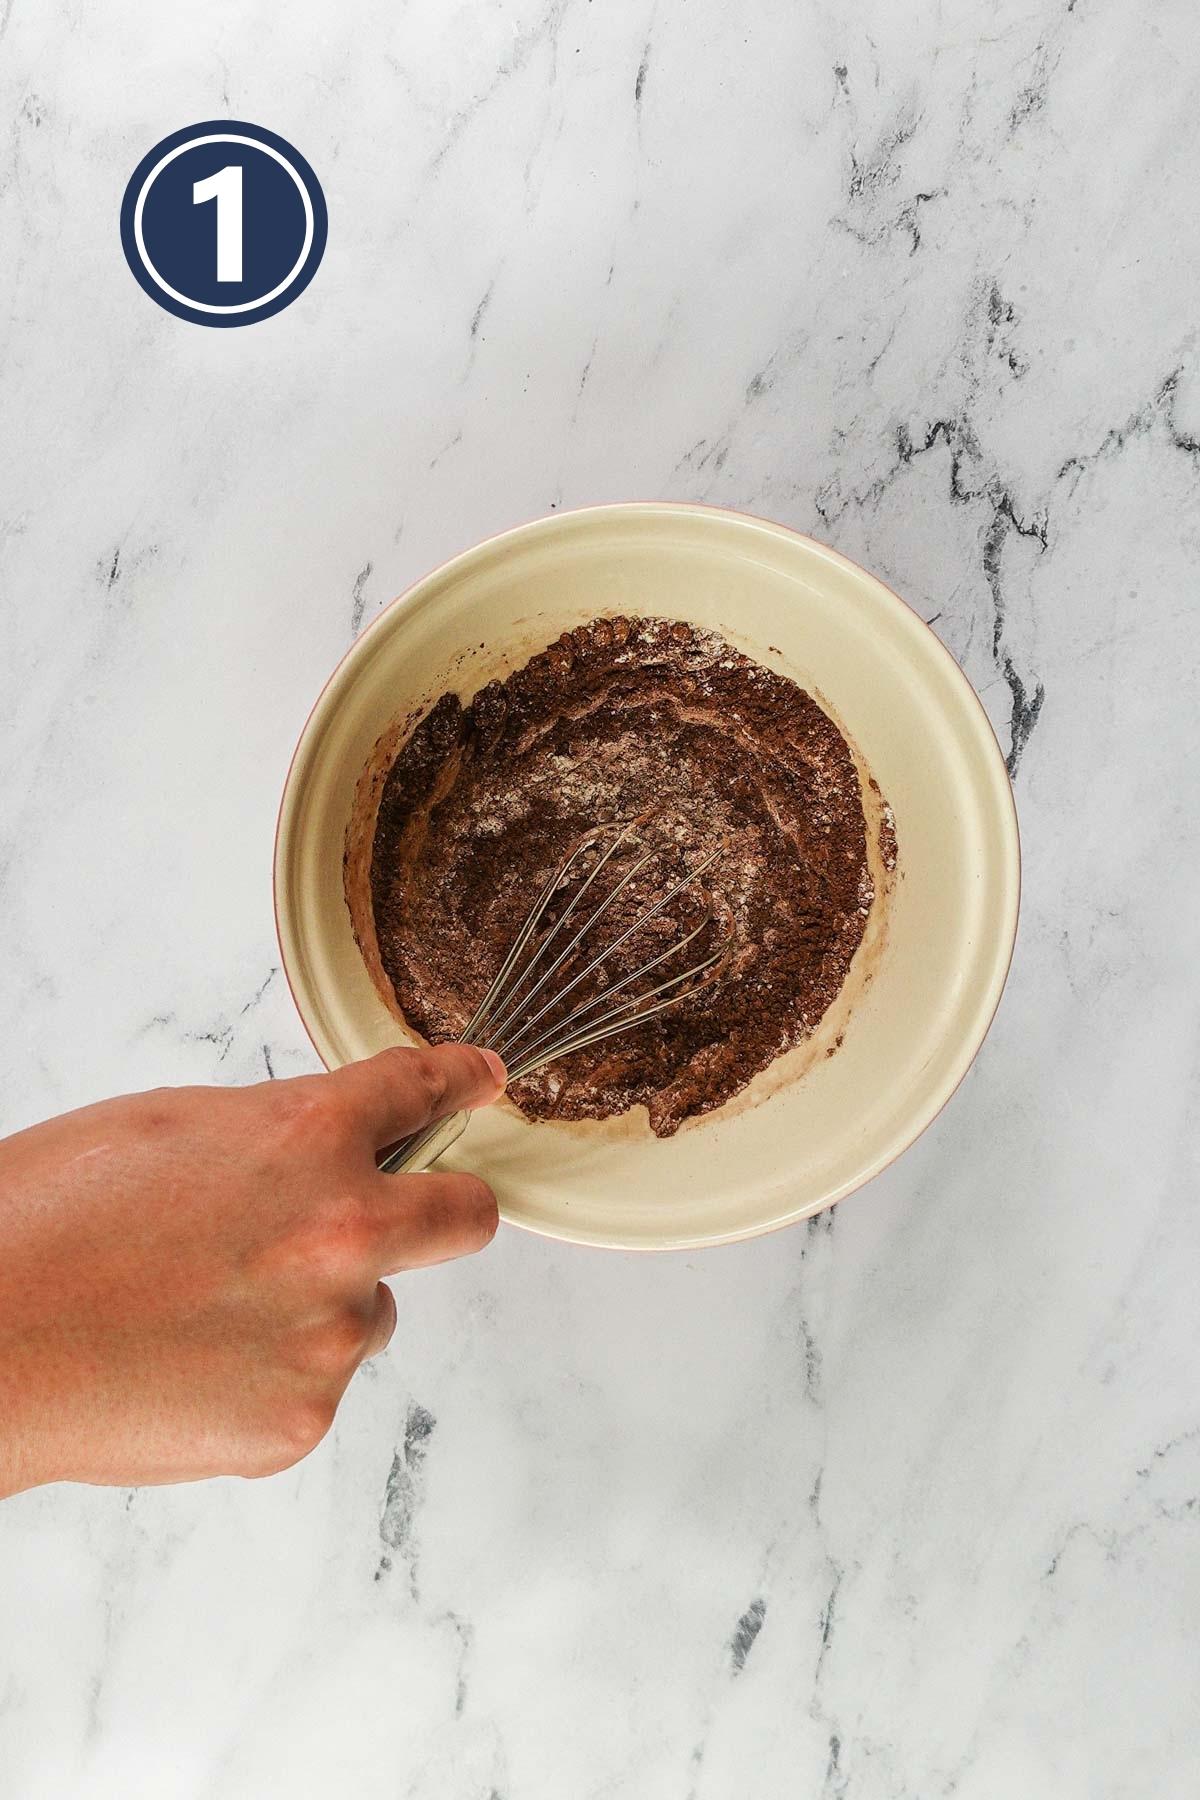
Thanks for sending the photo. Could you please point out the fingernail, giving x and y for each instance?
(496, 1065)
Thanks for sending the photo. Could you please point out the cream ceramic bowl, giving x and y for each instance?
(826, 1118)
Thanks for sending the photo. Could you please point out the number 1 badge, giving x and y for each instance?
(223, 223)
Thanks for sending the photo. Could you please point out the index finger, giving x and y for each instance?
(403, 1090)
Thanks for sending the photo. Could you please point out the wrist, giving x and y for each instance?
(20, 1466)
(15, 1474)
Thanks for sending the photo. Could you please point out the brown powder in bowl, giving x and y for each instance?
(623, 719)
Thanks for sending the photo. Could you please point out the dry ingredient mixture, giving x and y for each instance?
(657, 721)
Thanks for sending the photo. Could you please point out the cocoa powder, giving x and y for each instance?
(622, 719)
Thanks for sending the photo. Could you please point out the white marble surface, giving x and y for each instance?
(902, 1505)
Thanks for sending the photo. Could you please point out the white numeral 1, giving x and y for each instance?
(225, 187)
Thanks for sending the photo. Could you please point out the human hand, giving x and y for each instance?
(189, 1277)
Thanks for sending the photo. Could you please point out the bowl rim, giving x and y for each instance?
(921, 1121)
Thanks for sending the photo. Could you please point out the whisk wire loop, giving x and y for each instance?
(502, 1021)
(508, 1000)
(501, 1041)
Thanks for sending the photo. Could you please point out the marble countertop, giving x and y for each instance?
(900, 1505)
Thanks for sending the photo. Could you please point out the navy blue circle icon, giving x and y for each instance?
(223, 223)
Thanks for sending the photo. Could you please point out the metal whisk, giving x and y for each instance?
(525, 994)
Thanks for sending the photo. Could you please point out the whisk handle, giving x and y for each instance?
(421, 1149)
